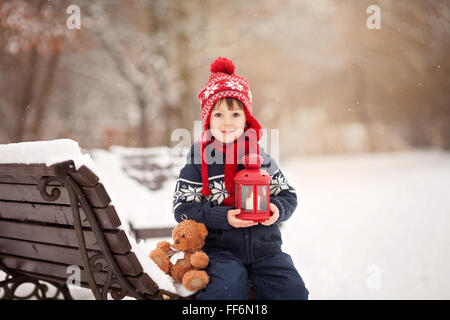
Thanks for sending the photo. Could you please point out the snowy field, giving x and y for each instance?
(372, 226)
(367, 226)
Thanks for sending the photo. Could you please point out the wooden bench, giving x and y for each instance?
(53, 217)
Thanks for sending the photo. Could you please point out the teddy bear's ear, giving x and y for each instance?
(201, 229)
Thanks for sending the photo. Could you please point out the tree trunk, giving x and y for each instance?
(362, 109)
(41, 104)
(143, 132)
(26, 97)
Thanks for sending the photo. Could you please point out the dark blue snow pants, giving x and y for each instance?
(273, 276)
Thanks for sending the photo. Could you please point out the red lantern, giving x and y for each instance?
(252, 187)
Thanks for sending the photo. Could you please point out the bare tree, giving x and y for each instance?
(153, 57)
(31, 32)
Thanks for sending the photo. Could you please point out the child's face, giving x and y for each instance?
(227, 125)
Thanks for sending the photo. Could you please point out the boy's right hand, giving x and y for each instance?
(238, 223)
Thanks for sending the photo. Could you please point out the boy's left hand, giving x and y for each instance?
(275, 215)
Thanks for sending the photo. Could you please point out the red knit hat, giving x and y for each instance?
(223, 83)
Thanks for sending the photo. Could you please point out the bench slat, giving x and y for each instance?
(142, 283)
(153, 233)
(31, 173)
(97, 196)
(56, 214)
(23, 173)
(85, 177)
(128, 263)
(117, 241)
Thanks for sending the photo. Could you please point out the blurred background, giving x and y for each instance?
(363, 115)
(130, 75)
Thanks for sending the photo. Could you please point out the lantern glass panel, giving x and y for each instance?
(262, 198)
(247, 197)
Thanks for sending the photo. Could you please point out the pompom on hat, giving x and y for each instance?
(223, 83)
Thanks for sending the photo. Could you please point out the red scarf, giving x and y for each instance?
(232, 160)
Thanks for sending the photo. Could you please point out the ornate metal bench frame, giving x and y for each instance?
(103, 260)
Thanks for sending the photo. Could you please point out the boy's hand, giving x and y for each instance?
(236, 222)
(275, 215)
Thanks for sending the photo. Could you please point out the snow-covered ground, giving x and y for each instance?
(368, 226)
(372, 226)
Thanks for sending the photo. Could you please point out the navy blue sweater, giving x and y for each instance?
(247, 243)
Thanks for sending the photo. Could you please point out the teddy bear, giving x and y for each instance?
(184, 258)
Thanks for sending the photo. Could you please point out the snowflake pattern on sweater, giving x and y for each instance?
(187, 191)
(279, 183)
(190, 191)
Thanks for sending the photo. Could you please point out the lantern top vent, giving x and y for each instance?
(252, 161)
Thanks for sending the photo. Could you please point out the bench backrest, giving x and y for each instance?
(41, 236)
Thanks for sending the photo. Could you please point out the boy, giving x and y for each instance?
(241, 252)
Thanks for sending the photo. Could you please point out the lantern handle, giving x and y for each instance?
(252, 161)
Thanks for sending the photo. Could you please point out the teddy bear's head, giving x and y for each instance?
(189, 235)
